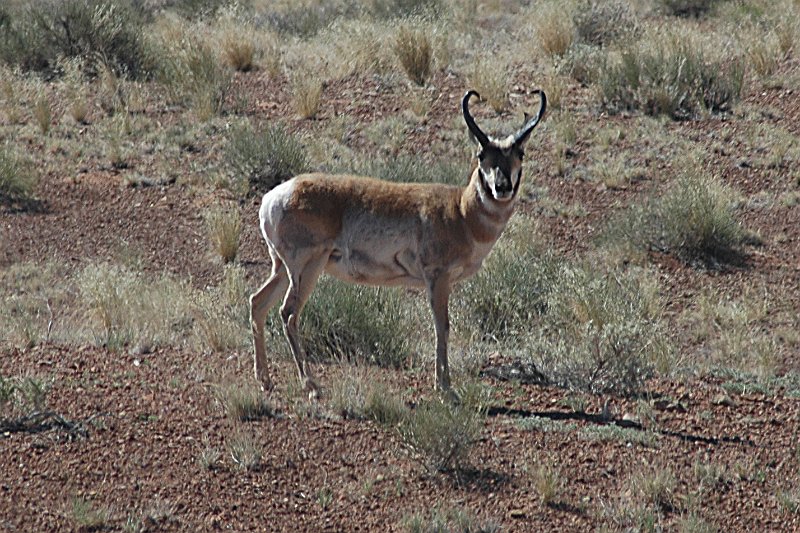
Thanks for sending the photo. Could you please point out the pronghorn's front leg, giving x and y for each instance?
(439, 294)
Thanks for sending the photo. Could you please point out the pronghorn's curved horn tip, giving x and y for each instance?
(482, 138)
(530, 123)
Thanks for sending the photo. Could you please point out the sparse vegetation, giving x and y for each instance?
(637, 323)
(441, 435)
(307, 94)
(88, 516)
(448, 521)
(264, 158)
(694, 219)
(672, 74)
(413, 49)
(245, 450)
(17, 176)
(243, 402)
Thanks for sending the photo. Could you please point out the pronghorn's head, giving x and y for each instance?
(500, 160)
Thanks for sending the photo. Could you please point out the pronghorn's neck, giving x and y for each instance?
(485, 217)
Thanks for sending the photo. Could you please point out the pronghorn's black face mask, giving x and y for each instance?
(500, 161)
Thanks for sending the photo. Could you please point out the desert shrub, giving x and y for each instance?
(390, 9)
(671, 75)
(189, 67)
(441, 435)
(127, 309)
(382, 406)
(603, 22)
(454, 520)
(687, 8)
(510, 292)
(264, 158)
(224, 226)
(242, 402)
(358, 323)
(583, 63)
(413, 49)
(17, 176)
(603, 331)
(36, 37)
(305, 20)
(693, 220)
(409, 169)
(196, 9)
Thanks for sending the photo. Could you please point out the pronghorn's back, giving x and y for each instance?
(374, 231)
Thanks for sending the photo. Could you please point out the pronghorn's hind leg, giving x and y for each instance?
(261, 302)
(303, 276)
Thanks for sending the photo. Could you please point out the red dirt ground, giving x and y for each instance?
(148, 418)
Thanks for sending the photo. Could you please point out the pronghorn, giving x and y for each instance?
(368, 231)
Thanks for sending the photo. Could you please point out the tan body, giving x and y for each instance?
(368, 231)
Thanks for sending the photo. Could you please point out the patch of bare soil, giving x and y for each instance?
(142, 425)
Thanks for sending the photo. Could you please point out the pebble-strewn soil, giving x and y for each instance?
(144, 421)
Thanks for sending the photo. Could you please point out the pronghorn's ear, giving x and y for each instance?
(527, 127)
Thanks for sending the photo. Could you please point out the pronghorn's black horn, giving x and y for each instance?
(522, 135)
(483, 139)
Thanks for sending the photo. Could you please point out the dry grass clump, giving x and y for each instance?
(245, 449)
(43, 112)
(448, 521)
(243, 402)
(74, 82)
(239, 51)
(413, 48)
(89, 517)
(555, 29)
(224, 226)
(549, 483)
(307, 94)
(17, 176)
(189, 67)
(491, 77)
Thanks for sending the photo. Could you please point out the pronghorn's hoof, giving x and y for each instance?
(313, 389)
(265, 382)
(450, 396)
